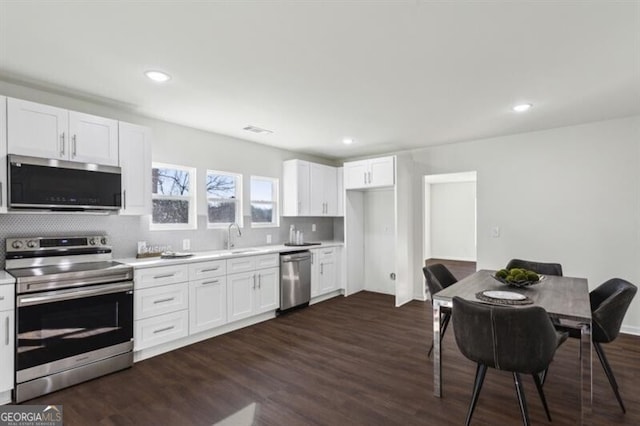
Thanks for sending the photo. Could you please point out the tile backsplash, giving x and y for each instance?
(126, 231)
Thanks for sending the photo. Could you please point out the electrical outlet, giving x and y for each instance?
(186, 244)
(313, 227)
(268, 238)
(495, 232)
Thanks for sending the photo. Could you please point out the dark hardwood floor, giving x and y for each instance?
(346, 361)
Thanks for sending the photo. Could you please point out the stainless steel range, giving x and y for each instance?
(74, 312)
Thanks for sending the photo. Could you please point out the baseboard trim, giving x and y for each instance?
(323, 297)
(5, 397)
(630, 329)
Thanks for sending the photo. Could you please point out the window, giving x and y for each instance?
(264, 201)
(173, 197)
(224, 199)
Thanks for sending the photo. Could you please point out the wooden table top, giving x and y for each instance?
(561, 297)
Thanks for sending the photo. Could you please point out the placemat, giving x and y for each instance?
(482, 297)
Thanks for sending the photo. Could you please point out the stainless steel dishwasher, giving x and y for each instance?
(295, 279)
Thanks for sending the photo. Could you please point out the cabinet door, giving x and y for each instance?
(295, 184)
(160, 329)
(316, 190)
(355, 174)
(93, 139)
(37, 130)
(6, 350)
(268, 290)
(382, 171)
(207, 304)
(3, 154)
(331, 191)
(340, 191)
(135, 161)
(327, 275)
(315, 272)
(241, 292)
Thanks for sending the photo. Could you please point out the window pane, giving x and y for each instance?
(222, 212)
(221, 186)
(170, 211)
(261, 189)
(262, 212)
(169, 181)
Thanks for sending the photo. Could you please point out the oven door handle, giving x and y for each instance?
(57, 296)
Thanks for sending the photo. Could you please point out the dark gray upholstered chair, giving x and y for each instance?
(521, 340)
(537, 267)
(609, 304)
(439, 277)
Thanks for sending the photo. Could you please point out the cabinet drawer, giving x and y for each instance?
(7, 297)
(214, 268)
(159, 300)
(326, 252)
(161, 275)
(161, 329)
(267, 261)
(241, 264)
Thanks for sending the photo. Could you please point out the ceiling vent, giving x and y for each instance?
(257, 130)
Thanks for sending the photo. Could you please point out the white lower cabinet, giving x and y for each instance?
(161, 329)
(324, 271)
(268, 294)
(164, 299)
(256, 290)
(208, 304)
(7, 298)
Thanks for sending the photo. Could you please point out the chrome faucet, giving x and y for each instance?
(230, 245)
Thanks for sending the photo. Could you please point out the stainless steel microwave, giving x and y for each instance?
(57, 185)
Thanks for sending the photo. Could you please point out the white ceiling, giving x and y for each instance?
(393, 75)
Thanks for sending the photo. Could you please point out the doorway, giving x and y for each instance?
(450, 217)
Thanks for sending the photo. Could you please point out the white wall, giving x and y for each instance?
(569, 195)
(453, 221)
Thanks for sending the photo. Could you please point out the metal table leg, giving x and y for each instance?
(586, 379)
(437, 366)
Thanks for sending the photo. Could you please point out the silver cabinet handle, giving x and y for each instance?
(259, 280)
(322, 269)
(211, 269)
(157, 277)
(1, 298)
(369, 176)
(160, 330)
(169, 299)
(254, 281)
(124, 199)
(73, 146)
(210, 282)
(1, 196)
(62, 144)
(6, 322)
(365, 177)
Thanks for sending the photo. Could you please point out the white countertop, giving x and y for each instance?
(201, 256)
(6, 278)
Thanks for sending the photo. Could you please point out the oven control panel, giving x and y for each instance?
(56, 243)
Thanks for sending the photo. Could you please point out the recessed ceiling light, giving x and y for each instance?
(256, 129)
(522, 107)
(158, 76)
(347, 141)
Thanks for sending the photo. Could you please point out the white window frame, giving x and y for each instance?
(191, 198)
(238, 199)
(276, 203)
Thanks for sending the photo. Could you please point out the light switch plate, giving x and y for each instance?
(268, 238)
(495, 232)
(186, 244)
(313, 227)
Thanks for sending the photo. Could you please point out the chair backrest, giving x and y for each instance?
(438, 277)
(537, 267)
(609, 304)
(520, 339)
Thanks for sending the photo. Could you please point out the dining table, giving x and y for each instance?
(566, 300)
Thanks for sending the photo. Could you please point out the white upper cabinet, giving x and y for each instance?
(309, 189)
(323, 190)
(340, 192)
(93, 139)
(44, 131)
(295, 183)
(135, 161)
(371, 173)
(3, 154)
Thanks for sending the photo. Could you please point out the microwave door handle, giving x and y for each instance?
(56, 296)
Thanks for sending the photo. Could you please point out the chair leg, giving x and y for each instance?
(481, 371)
(538, 383)
(443, 327)
(521, 398)
(609, 372)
